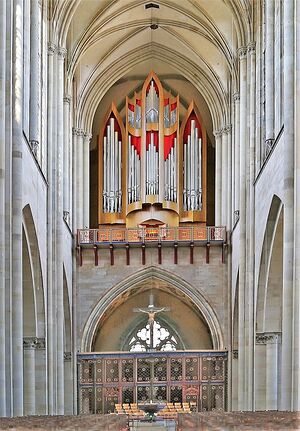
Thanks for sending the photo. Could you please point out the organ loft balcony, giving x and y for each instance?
(113, 238)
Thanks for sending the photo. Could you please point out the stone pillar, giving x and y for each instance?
(269, 68)
(296, 302)
(224, 188)
(17, 204)
(2, 207)
(60, 236)
(271, 342)
(260, 374)
(86, 180)
(236, 183)
(288, 221)
(229, 214)
(218, 176)
(234, 378)
(242, 240)
(35, 76)
(66, 162)
(29, 375)
(251, 223)
(50, 279)
(79, 178)
(40, 377)
(68, 383)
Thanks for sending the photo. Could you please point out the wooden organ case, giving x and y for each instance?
(152, 171)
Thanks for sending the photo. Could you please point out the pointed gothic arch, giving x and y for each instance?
(194, 295)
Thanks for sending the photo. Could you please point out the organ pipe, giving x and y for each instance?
(192, 183)
(112, 161)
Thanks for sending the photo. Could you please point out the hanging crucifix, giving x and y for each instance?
(151, 310)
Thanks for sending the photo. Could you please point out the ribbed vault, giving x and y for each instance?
(107, 39)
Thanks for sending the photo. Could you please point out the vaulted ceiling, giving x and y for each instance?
(113, 44)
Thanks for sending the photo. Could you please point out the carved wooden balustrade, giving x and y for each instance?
(191, 236)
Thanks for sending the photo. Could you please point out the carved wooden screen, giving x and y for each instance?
(195, 377)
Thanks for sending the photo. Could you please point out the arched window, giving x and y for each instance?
(164, 338)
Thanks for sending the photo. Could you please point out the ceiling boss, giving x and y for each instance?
(152, 170)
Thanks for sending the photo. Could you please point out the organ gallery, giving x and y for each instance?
(152, 166)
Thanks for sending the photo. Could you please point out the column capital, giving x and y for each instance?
(236, 96)
(40, 343)
(227, 128)
(268, 338)
(33, 343)
(77, 131)
(251, 48)
(52, 48)
(62, 52)
(242, 52)
(67, 99)
(67, 356)
(217, 133)
(87, 136)
(29, 343)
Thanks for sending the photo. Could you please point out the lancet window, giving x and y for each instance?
(164, 339)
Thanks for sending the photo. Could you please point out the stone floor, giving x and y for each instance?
(66, 423)
(220, 421)
(210, 421)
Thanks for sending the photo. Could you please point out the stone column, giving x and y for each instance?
(218, 176)
(68, 383)
(35, 76)
(224, 188)
(296, 302)
(86, 179)
(260, 373)
(60, 236)
(242, 223)
(236, 184)
(66, 163)
(29, 375)
(288, 221)
(229, 178)
(40, 377)
(50, 222)
(17, 205)
(269, 68)
(79, 178)
(234, 378)
(2, 207)
(251, 223)
(271, 342)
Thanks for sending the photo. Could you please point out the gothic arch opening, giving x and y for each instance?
(269, 311)
(33, 320)
(192, 316)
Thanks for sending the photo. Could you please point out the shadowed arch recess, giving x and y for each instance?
(162, 284)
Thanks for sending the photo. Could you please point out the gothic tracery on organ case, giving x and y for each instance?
(152, 168)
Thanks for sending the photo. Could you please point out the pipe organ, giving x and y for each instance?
(150, 167)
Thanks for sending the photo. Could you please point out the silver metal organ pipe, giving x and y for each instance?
(129, 169)
(185, 176)
(156, 170)
(188, 165)
(108, 134)
(175, 169)
(104, 174)
(134, 174)
(200, 173)
(196, 170)
(120, 178)
(138, 177)
(192, 164)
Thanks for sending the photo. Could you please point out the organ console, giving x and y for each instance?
(152, 168)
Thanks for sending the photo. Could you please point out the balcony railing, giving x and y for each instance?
(147, 235)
